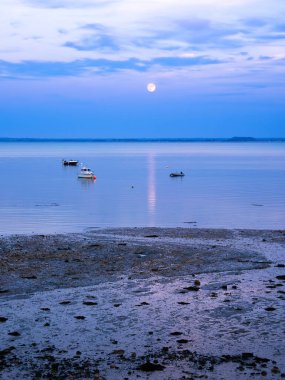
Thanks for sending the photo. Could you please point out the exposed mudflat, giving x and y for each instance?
(144, 303)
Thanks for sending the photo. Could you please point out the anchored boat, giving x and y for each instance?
(86, 173)
(69, 162)
(177, 174)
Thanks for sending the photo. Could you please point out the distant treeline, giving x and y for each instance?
(232, 139)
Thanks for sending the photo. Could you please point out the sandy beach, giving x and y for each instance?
(146, 303)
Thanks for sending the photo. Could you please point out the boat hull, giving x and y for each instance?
(87, 176)
(176, 174)
(70, 163)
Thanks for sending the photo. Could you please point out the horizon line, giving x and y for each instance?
(146, 139)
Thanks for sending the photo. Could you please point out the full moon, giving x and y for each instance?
(151, 87)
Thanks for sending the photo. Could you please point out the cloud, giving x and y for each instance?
(255, 22)
(95, 42)
(206, 33)
(184, 62)
(161, 37)
(35, 69)
(97, 37)
(95, 66)
(265, 58)
(69, 3)
(272, 37)
(93, 26)
(279, 27)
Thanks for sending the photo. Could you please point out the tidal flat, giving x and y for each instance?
(143, 303)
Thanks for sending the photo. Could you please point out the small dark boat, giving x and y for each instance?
(69, 162)
(177, 174)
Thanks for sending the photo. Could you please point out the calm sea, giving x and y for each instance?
(226, 184)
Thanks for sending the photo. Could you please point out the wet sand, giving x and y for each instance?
(146, 303)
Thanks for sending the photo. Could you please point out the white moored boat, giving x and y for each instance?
(86, 173)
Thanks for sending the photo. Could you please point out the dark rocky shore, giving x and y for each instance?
(148, 303)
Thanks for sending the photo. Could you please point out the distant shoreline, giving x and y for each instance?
(232, 139)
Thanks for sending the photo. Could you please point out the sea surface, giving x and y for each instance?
(226, 185)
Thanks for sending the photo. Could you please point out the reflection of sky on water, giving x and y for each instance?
(136, 190)
(77, 150)
(86, 182)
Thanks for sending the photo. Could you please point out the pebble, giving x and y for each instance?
(90, 303)
(191, 288)
(29, 277)
(65, 302)
(118, 352)
(151, 367)
(275, 370)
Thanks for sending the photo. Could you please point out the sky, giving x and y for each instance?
(80, 68)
